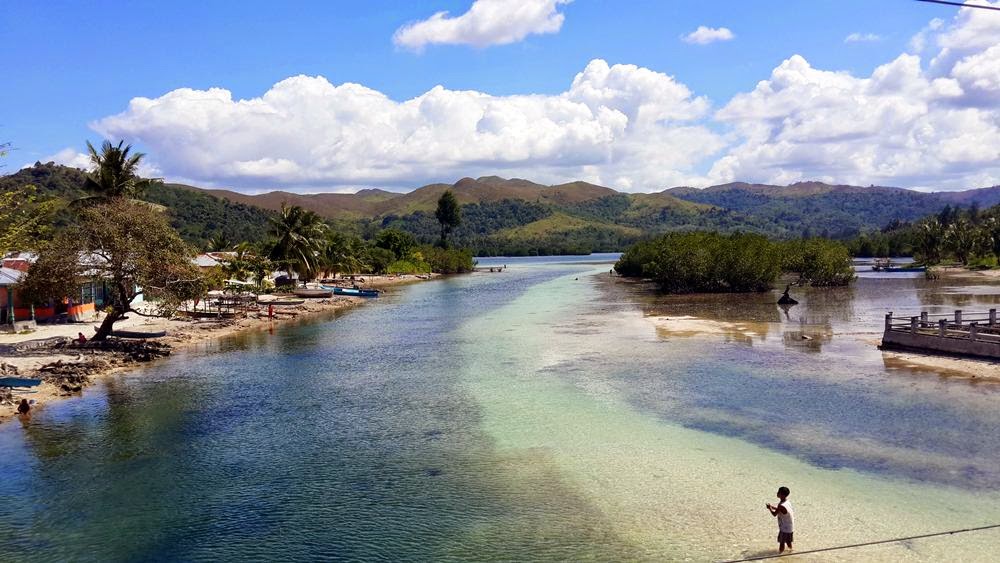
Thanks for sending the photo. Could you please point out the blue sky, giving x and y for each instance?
(70, 65)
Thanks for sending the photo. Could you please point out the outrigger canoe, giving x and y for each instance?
(352, 291)
(134, 334)
(12, 382)
(312, 293)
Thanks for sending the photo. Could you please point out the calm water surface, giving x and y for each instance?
(545, 413)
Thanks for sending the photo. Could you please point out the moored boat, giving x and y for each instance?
(887, 265)
(282, 302)
(313, 293)
(352, 291)
(208, 314)
(138, 335)
(12, 382)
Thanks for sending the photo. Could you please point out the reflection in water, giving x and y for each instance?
(524, 416)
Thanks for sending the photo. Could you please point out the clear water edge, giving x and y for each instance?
(532, 415)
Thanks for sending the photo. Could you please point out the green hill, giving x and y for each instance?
(516, 216)
(196, 215)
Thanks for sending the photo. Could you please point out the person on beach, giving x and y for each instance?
(783, 512)
(81, 339)
(24, 407)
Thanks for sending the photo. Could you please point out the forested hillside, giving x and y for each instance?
(517, 216)
(197, 216)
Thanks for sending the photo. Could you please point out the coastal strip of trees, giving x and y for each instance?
(710, 262)
(968, 236)
(114, 234)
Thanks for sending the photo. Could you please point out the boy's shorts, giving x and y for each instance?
(784, 537)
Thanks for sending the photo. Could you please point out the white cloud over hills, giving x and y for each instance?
(488, 22)
(930, 118)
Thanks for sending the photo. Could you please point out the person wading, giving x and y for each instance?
(783, 512)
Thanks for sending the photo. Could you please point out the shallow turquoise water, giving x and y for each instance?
(538, 414)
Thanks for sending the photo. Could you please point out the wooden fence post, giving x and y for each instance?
(888, 320)
(913, 324)
(942, 328)
(958, 317)
(923, 319)
(972, 331)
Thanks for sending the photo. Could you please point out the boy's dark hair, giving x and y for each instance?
(783, 491)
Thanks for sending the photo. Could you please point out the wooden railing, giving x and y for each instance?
(972, 326)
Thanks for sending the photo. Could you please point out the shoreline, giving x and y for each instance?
(66, 371)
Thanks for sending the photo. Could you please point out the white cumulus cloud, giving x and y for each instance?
(926, 119)
(488, 22)
(705, 35)
(68, 157)
(903, 125)
(858, 37)
(616, 124)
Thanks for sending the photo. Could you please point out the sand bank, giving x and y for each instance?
(684, 326)
(67, 369)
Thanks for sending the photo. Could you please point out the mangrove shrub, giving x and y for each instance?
(715, 263)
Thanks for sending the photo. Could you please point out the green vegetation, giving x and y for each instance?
(299, 237)
(197, 216)
(448, 214)
(741, 262)
(818, 262)
(970, 237)
(125, 242)
(115, 173)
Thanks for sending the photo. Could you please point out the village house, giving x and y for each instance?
(19, 314)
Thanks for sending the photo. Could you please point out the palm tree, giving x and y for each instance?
(116, 172)
(220, 243)
(299, 240)
(342, 254)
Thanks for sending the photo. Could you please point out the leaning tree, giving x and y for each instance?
(130, 247)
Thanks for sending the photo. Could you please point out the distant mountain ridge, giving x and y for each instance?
(518, 216)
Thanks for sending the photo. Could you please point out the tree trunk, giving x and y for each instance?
(114, 314)
(117, 310)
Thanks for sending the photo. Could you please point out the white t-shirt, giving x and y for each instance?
(785, 520)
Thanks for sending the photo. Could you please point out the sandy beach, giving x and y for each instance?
(67, 369)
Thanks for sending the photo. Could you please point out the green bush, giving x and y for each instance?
(447, 261)
(817, 261)
(715, 263)
(704, 262)
(408, 267)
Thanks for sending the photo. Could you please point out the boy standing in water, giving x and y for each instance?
(783, 512)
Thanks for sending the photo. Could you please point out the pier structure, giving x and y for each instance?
(956, 334)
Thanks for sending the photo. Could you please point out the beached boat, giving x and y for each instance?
(313, 293)
(352, 291)
(282, 302)
(139, 335)
(886, 265)
(208, 314)
(19, 382)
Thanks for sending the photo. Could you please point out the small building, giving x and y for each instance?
(82, 306)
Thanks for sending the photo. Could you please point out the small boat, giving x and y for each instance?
(352, 291)
(138, 335)
(282, 302)
(886, 265)
(208, 314)
(313, 293)
(12, 382)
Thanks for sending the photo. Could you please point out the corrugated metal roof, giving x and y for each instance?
(205, 261)
(10, 276)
